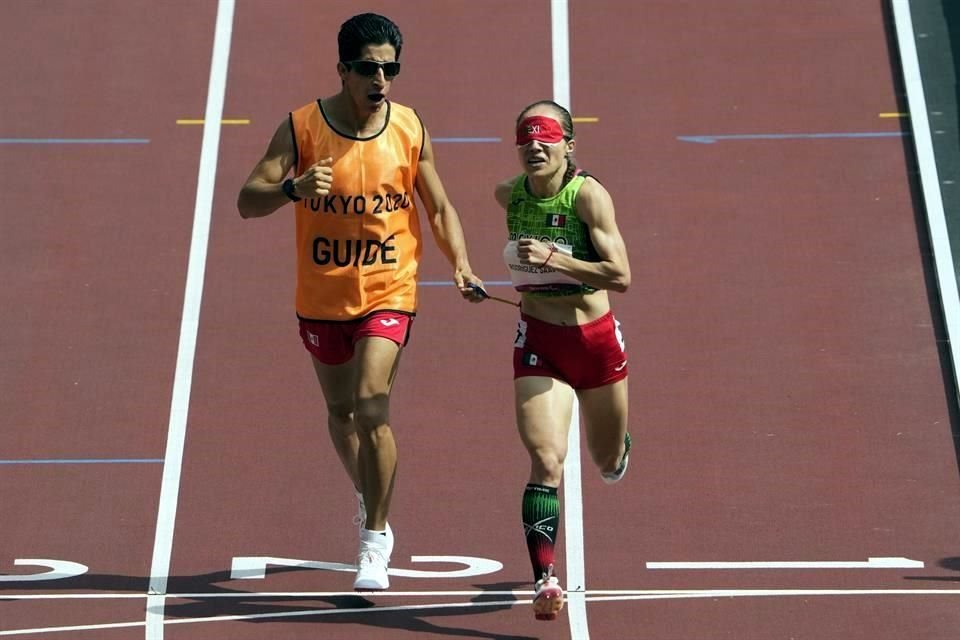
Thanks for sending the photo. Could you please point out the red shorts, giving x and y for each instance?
(584, 356)
(332, 342)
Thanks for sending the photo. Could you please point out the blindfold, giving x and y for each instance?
(539, 128)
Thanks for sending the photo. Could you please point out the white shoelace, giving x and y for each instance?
(371, 555)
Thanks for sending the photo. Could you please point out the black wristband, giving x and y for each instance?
(287, 187)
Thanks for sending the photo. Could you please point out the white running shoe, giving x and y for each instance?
(388, 538)
(371, 569)
(383, 540)
(373, 559)
(360, 520)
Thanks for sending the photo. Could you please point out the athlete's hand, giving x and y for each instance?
(466, 283)
(534, 252)
(316, 180)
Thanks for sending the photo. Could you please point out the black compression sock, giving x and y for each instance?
(541, 523)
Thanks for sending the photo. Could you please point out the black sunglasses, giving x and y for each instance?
(369, 68)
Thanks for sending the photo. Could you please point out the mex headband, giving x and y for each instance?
(539, 128)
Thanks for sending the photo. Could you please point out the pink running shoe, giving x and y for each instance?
(548, 600)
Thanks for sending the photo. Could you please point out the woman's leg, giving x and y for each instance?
(544, 408)
(604, 412)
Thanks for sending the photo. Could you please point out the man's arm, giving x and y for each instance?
(262, 194)
(444, 220)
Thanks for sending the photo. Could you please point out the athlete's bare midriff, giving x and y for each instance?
(576, 309)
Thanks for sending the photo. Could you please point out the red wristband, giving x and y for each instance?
(553, 250)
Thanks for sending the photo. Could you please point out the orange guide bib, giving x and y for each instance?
(358, 247)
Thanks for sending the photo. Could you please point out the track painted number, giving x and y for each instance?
(255, 567)
(58, 570)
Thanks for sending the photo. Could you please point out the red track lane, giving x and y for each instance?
(787, 397)
(92, 254)
(786, 389)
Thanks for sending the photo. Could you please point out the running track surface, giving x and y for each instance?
(788, 396)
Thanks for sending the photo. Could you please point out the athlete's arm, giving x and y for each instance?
(503, 191)
(262, 194)
(444, 221)
(595, 209)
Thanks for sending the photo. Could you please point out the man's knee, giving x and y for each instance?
(341, 412)
(372, 412)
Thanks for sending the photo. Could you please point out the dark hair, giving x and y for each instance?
(566, 123)
(365, 29)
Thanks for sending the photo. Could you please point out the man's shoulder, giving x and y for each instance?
(395, 104)
(403, 110)
(310, 106)
(408, 120)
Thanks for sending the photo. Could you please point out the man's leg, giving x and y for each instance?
(377, 362)
(338, 383)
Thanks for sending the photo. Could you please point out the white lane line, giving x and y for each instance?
(521, 599)
(870, 563)
(363, 611)
(560, 33)
(576, 582)
(183, 376)
(521, 595)
(929, 179)
(79, 627)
